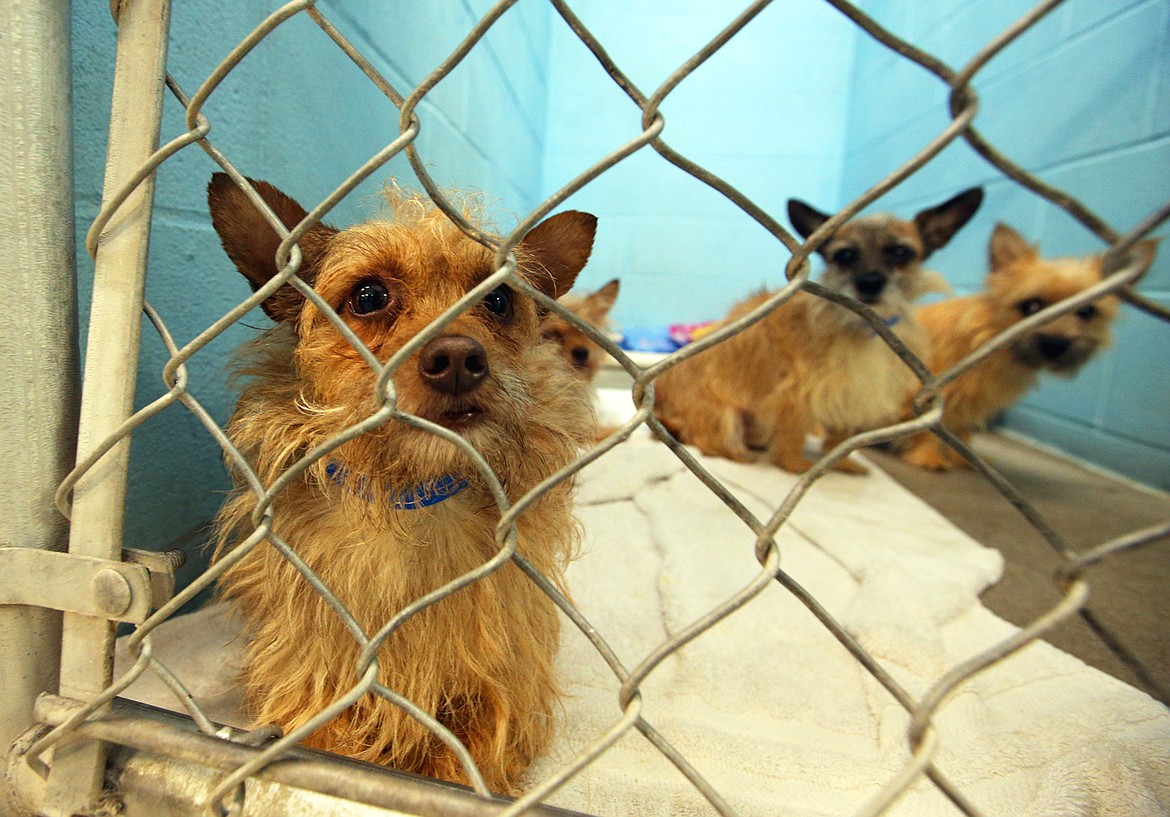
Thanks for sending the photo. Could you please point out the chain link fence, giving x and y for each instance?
(92, 495)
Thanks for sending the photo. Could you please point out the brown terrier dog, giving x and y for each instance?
(398, 512)
(581, 353)
(1019, 284)
(811, 364)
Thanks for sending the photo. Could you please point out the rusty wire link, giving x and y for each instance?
(923, 736)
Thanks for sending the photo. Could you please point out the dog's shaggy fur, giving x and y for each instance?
(480, 661)
(811, 364)
(1020, 283)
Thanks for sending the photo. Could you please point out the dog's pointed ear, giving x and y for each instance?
(805, 218)
(555, 250)
(251, 243)
(1143, 254)
(1006, 247)
(600, 302)
(937, 225)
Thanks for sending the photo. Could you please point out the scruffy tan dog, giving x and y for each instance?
(399, 512)
(581, 353)
(1020, 283)
(811, 364)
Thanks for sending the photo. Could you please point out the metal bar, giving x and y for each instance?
(112, 356)
(75, 584)
(162, 766)
(39, 379)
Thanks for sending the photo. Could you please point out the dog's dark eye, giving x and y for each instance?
(368, 297)
(580, 355)
(844, 257)
(499, 302)
(899, 254)
(1030, 306)
(1087, 312)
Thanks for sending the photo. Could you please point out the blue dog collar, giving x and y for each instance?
(890, 323)
(422, 495)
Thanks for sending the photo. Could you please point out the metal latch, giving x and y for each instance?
(119, 591)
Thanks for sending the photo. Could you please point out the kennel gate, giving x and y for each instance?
(89, 754)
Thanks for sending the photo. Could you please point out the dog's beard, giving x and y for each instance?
(1027, 351)
(890, 308)
(409, 450)
(514, 432)
(893, 303)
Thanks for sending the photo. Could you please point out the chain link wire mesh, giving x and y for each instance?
(923, 738)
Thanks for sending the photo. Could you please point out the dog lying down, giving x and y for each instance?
(1020, 283)
(811, 364)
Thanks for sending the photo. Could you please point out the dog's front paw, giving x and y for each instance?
(848, 465)
(934, 456)
(851, 466)
(793, 463)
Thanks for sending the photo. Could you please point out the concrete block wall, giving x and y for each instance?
(765, 113)
(1083, 100)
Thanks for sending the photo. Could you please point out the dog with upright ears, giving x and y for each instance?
(1020, 283)
(580, 352)
(398, 512)
(811, 364)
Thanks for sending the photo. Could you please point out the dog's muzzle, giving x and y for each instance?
(1056, 353)
(453, 364)
(1052, 347)
(869, 286)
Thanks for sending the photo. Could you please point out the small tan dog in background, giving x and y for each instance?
(398, 512)
(581, 353)
(1020, 283)
(811, 364)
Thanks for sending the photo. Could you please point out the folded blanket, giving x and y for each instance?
(767, 705)
(774, 712)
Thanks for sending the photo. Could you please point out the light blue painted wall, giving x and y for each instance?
(766, 114)
(1083, 100)
(298, 113)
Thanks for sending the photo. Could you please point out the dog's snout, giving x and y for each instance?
(455, 364)
(870, 285)
(1052, 346)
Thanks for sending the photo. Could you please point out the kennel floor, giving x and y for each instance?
(1129, 594)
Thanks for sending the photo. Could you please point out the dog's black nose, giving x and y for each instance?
(580, 355)
(1052, 346)
(870, 285)
(455, 364)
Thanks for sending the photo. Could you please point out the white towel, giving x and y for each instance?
(775, 713)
